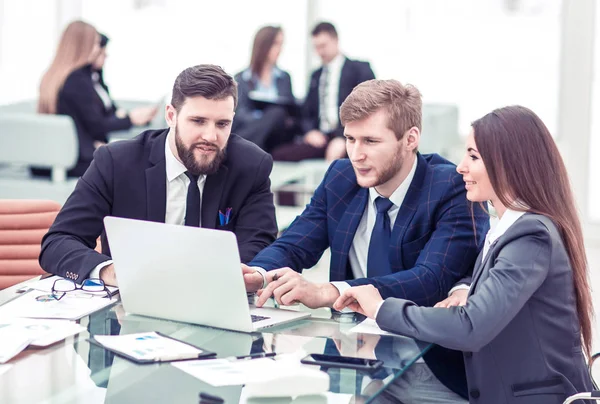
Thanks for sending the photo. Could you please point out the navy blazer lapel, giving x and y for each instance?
(156, 181)
(344, 234)
(406, 212)
(343, 74)
(211, 196)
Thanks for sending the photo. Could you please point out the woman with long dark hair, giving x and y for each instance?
(73, 86)
(266, 102)
(527, 319)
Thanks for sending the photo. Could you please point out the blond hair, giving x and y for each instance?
(402, 103)
(73, 52)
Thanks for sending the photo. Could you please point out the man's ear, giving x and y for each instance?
(171, 115)
(413, 136)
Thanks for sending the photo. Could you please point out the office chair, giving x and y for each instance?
(23, 223)
(594, 395)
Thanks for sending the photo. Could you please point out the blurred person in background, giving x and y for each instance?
(329, 86)
(265, 114)
(73, 86)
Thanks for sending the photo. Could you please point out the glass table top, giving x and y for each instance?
(76, 371)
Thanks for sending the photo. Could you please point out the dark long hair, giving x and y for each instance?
(263, 41)
(524, 164)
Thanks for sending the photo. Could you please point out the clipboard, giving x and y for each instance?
(200, 353)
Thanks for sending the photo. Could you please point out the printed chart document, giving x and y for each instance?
(38, 304)
(18, 333)
(150, 347)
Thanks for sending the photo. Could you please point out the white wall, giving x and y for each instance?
(594, 150)
(28, 36)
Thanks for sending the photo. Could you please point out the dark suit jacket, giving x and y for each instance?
(432, 243)
(79, 100)
(246, 106)
(128, 179)
(519, 330)
(353, 73)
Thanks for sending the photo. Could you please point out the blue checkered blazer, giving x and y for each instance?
(434, 241)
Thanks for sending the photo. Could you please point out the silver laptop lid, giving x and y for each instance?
(179, 273)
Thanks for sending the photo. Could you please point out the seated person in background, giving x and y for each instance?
(186, 174)
(73, 86)
(530, 303)
(329, 86)
(266, 101)
(392, 217)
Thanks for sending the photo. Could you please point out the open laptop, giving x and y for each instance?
(185, 274)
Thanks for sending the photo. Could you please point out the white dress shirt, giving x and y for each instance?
(331, 112)
(359, 250)
(508, 219)
(106, 100)
(177, 186)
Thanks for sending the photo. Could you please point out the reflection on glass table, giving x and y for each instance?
(438, 376)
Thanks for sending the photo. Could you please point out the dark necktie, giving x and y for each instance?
(192, 206)
(378, 262)
(324, 124)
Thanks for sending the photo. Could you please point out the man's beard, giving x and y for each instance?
(391, 170)
(204, 165)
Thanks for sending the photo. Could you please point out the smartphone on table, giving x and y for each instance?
(349, 362)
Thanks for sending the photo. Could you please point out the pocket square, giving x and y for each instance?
(224, 217)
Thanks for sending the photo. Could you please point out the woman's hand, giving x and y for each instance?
(457, 298)
(361, 299)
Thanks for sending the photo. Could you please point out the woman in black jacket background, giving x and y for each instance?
(73, 86)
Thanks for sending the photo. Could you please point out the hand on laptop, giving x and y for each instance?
(107, 274)
(252, 278)
(288, 287)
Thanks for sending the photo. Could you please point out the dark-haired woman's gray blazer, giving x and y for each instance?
(519, 330)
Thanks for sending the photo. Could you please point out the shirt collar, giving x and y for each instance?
(508, 219)
(337, 62)
(399, 194)
(174, 167)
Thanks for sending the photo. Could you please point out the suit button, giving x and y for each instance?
(474, 393)
(468, 354)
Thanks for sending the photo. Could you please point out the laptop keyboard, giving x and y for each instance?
(256, 318)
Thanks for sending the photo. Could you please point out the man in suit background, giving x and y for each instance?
(329, 86)
(186, 174)
(392, 217)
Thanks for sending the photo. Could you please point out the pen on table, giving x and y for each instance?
(256, 356)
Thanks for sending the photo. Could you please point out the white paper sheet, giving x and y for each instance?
(369, 326)
(70, 307)
(5, 368)
(224, 372)
(12, 342)
(18, 333)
